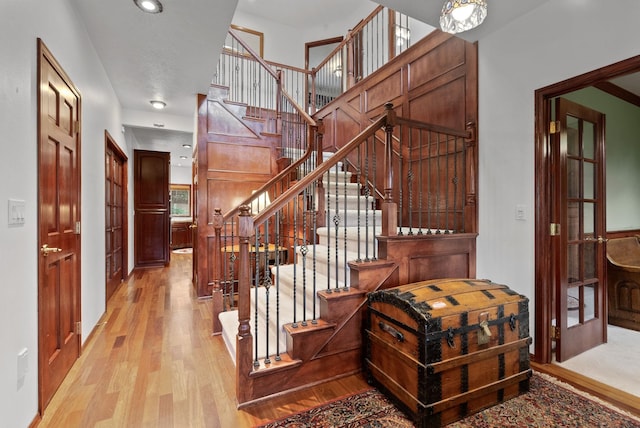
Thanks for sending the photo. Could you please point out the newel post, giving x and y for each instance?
(389, 207)
(217, 293)
(471, 174)
(244, 345)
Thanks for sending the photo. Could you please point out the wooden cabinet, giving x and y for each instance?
(181, 234)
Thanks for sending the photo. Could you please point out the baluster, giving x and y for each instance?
(303, 251)
(420, 181)
(410, 179)
(367, 190)
(295, 265)
(429, 184)
(278, 244)
(344, 222)
(360, 185)
(217, 294)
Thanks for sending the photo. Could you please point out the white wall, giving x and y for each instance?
(556, 41)
(281, 47)
(55, 21)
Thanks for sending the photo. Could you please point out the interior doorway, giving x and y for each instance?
(548, 269)
(59, 304)
(116, 208)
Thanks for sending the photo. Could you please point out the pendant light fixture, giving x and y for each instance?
(462, 15)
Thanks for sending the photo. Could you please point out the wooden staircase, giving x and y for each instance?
(317, 282)
(301, 324)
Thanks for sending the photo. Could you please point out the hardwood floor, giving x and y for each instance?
(152, 362)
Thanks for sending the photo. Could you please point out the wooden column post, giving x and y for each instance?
(389, 207)
(244, 339)
(217, 293)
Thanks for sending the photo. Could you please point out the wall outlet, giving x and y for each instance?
(23, 366)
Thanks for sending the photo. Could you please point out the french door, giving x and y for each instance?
(579, 254)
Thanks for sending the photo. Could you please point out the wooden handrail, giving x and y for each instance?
(294, 190)
(275, 179)
(434, 128)
(255, 56)
(347, 39)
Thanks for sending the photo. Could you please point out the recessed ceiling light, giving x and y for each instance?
(158, 104)
(159, 125)
(186, 146)
(149, 6)
(183, 157)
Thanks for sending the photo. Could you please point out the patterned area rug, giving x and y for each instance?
(549, 403)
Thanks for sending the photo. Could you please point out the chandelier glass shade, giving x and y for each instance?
(462, 15)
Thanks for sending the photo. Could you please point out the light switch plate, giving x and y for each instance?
(16, 212)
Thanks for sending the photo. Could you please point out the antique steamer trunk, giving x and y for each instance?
(444, 349)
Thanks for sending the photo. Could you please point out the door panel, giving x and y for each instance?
(59, 211)
(151, 196)
(115, 209)
(580, 289)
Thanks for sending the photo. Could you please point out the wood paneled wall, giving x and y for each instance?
(236, 155)
(435, 81)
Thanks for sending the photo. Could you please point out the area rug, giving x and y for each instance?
(549, 403)
(183, 251)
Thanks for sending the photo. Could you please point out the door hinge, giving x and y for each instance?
(79, 328)
(76, 127)
(555, 333)
(554, 229)
(77, 228)
(554, 127)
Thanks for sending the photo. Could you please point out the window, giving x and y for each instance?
(180, 200)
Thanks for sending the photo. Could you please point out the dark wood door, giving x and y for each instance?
(115, 215)
(58, 224)
(194, 219)
(151, 200)
(581, 264)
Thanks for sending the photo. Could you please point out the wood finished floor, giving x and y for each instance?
(152, 362)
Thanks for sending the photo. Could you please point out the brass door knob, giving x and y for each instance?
(45, 250)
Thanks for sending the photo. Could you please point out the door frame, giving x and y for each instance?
(44, 54)
(544, 273)
(110, 144)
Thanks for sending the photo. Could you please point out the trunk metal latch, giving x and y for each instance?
(484, 333)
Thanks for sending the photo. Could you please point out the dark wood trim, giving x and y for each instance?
(618, 92)
(542, 191)
(614, 234)
(317, 43)
(111, 144)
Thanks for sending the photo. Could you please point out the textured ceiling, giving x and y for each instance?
(172, 55)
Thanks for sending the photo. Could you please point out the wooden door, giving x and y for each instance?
(115, 215)
(194, 218)
(151, 200)
(59, 340)
(580, 206)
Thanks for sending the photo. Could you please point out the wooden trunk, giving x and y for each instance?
(444, 349)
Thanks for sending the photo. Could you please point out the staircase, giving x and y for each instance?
(395, 204)
(322, 266)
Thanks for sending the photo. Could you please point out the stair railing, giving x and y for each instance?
(284, 240)
(250, 80)
(377, 39)
(253, 82)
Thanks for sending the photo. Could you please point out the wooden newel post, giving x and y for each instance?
(244, 342)
(389, 207)
(217, 293)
